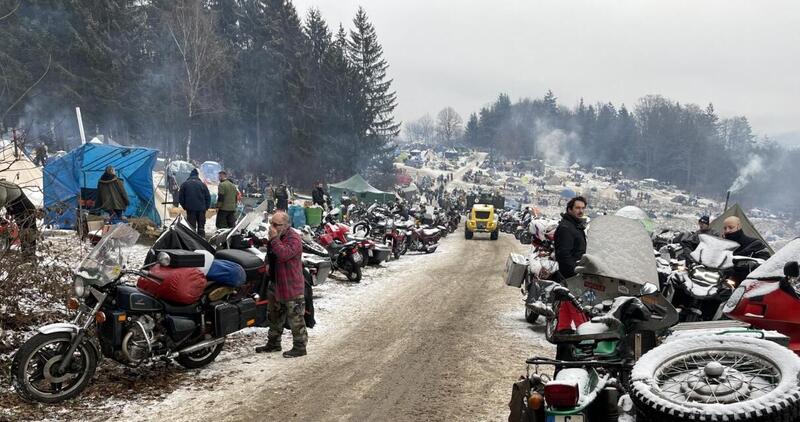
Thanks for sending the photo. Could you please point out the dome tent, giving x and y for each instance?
(636, 213)
(76, 174)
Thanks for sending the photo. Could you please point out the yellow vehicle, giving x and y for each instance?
(482, 219)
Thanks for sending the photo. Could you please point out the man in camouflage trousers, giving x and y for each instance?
(286, 300)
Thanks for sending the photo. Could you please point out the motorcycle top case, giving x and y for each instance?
(515, 269)
(227, 273)
(179, 258)
(182, 286)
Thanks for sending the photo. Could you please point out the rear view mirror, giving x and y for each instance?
(791, 269)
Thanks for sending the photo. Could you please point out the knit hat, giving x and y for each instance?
(704, 219)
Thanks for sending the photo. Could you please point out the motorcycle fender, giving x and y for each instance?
(66, 327)
(59, 327)
(432, 248)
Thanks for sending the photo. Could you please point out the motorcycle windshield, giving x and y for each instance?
(250, 221)
(619, 248)
(714, 252)
(773, 268)
(110, 255)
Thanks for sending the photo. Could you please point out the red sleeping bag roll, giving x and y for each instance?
(182, 286)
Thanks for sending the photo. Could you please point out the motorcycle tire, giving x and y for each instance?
(403, 248)
(361, 227)
(200, 358)
(530, 316)
(353, 273)
(86, 367)
(772, 396)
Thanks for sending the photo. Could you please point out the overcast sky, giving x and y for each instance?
(743, 56)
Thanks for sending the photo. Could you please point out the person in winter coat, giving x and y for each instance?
(227, 197)
(286, 300)
(282, 198)
(748, 246)
(111, 195)
(570, 237)
(691, 242)
(318, 195)
(196, 200)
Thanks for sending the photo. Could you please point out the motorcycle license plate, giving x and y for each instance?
(369, 252)
(565, 418)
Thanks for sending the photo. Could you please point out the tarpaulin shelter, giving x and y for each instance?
(357, 187)
(17, 168)
(747, 227)
(69, 178)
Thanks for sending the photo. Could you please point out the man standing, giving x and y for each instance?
(318, 195)
(196, 200)
(282, 198)
(286, 299)
(111, 195)
(227, 196)
(570, 238)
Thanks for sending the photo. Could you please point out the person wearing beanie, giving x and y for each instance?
(196, 200)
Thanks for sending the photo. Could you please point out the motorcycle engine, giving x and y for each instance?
(139, 340)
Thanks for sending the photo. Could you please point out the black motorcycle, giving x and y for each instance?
(119, 321)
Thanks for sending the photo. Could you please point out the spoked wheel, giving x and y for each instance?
(361, 229)
(35, 368)
(717, 378)
(201, 357)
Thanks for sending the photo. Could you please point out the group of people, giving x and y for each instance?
(195, 199)
(570, 240)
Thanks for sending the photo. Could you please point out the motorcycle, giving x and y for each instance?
(393, 237)
(422, 239)
(345, 255)
(125, 323)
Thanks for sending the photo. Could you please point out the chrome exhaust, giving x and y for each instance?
(202, 345)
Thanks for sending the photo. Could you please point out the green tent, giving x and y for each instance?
(358, 188)
(747, 227)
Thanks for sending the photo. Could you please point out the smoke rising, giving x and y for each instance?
(555, 146)
(753, 169)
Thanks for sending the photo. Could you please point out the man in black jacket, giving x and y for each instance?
(318, 195)
(570, 238)
(748, 246)
(196, 200)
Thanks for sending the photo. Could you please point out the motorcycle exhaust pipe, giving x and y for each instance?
(202, 345)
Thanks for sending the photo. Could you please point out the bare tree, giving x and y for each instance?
(449, 126)
(203, 58)
(421, 130)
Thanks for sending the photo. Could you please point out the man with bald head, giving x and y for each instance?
(286, 298)
(748, 246)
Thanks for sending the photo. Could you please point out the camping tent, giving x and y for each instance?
(747, 226)
(636, 213)
(17, 168)
(75, 176)
(357, 187)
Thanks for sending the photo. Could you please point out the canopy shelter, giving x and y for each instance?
(747, 227)
(71, 181)
(17, 168)
(357, 187)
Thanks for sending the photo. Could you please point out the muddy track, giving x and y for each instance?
(444, 341)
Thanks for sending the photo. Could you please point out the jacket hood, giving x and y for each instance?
(107, 178)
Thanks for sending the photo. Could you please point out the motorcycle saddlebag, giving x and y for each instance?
(179, 258)
(253, 266)
(247, 313)
(226, 319)
(227, 273)
(182, 286)
(515, 269)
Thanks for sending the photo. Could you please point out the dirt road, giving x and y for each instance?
(435, 337)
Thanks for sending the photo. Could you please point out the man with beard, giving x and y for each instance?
(570, 238)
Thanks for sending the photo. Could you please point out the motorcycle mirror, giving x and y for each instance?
(791, 269)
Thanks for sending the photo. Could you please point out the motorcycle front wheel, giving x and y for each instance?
(34, 370)
(200, 358)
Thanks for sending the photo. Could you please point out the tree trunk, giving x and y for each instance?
(189, 141)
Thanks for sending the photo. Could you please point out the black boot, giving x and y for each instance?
(294, 353)
(268, 348)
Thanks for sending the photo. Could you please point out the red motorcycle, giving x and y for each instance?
(769, 298)
(422, 239)
(393, 237)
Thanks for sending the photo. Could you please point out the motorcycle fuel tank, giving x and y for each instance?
(131, 298)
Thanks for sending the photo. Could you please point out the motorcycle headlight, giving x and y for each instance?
(79, 287)
(163, 259)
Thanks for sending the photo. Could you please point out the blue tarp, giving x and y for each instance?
(82, 167)
(568, 193)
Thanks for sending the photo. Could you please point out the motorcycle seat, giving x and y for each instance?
(430, 232)
(171, 309)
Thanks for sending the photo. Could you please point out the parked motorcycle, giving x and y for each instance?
(422, 239)
(125, 323)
